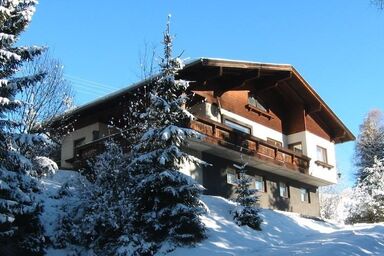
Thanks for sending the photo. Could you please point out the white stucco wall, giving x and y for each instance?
(310, 142)
(191, 169)
(67, 147)
(324, 173)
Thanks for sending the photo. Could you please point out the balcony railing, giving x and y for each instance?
(219, 134)
(216, 134)
(88, 151)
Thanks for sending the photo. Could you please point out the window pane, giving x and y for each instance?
(297, 147)
(237, 126)
(231, 177)
(303, 195)
(321, 154)
(259, 183)
(78, 142)
(96, 135)
(250, 178)
(256, 103)
(283, 190)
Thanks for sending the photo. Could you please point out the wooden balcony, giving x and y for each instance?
(223, 141)
(221, 136)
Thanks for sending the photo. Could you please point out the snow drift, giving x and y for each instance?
(282, 233)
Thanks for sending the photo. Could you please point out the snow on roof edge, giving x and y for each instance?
(244, 61)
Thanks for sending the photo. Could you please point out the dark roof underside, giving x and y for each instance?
(239, 75)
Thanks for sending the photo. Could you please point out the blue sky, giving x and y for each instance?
(338, 46)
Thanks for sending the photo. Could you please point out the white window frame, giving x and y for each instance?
(237, 126)
(254, 101)
(283, 190)
(259, 180)
(297, 147)
(321, 154)
(232, 176)
(304, 195)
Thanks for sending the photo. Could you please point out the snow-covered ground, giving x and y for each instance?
(283, 233)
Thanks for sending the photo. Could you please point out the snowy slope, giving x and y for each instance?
(283, 233)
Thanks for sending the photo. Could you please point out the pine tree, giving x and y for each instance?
(246, 212)
(367, 204)
(20, 228)
(102, 215)
(165, 203)
(370, 143)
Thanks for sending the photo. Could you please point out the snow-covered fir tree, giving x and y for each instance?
(20, 228)
(246, 213)
(165, 202)
(369, 143)
(102, 215)
(367, 202)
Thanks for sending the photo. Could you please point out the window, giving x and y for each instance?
(237, 126)
(231, 177)
(259, 184)
(296, 147)
(78, 142)
(274, 142)
(284, 190)
(256, 102)
(249, 178)
(95, 135)
(304, 195)
(322, 154)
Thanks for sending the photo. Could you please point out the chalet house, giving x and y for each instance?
(265, 113)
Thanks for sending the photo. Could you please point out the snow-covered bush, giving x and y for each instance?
(43, 166)
(246, 213)
(334, 204)
(102, 214)
(329, 200)
(328, 205)
(367, 204)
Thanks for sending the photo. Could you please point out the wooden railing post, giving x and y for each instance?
(218, 134)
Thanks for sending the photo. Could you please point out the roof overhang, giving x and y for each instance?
(221, 75)
(226, 75)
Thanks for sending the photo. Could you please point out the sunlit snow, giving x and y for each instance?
(283, 233)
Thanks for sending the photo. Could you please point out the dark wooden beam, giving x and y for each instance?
(314, 108)
(200, 74)
(265, 83)
(253, 80)
(338, 136)
(304, 98)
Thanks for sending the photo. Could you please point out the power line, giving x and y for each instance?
(90, 87)
(89, 82)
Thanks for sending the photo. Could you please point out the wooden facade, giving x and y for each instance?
(288, 108)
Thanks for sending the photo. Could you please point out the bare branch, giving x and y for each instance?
(147, 58)
(378, 3)
(47, 98)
